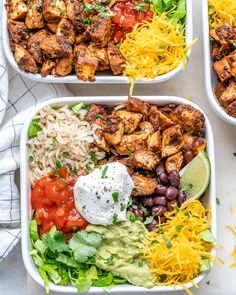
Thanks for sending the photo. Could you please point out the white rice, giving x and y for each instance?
(62, 131)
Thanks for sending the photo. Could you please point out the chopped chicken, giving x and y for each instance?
(54, 10)
(130, 119)
(131, 143)
(114, 130)
(231, 109)
(158, 119)
(18, 31)
(171, 141)
(73, 9)
(55, 46)
(154, 142)
(80, 38)
(167, 108)
(101, 55)
(219, 89)
(24, 60)
(231, 58)
(101, 142)
(66, 29)
(34, 16)
(52, 27)
(34, 45)
(174, 162)
(134, 104)
(96, 114)
(194, 143)
(144, 159)
(48, 66)
(116, 59)
(146, 127)
(100, 31)
(189, 118)
(224, 34)
(222, 69)
(64, 65)
(144, 186)
(85, 63)
(16, 9)
(229, 95)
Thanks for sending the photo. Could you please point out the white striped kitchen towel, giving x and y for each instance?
(17, 96)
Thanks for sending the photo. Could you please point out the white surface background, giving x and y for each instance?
(13, 277)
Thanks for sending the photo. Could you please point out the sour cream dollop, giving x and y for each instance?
(102, 196)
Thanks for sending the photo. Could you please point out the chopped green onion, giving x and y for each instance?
(167, 241)
(104, 172)
(115, 197)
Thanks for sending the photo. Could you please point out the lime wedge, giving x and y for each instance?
(195, 176)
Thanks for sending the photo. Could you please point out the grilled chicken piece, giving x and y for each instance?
(231, 58)
(144, 186)
(224, 34)
(116, 59)
(66, 29)
(54, 10)
(218, 52)
(34, 16)
(154, 142)
(131, 143)
(79, 38)
(158, 119)
(219, 89)
(100, 31)
(34, 45)
(18, 31)
(101, 55)
(231, 109)
(96, 114)
(114, 130)
(24, 60)
(229, 95)
(146, 127)
(85, 63)
(144, 159)
(64, 65)
(171, 141)
(54, 46)
(52, 27)
(222, 69)
(74, 14)
(101, 142)
(174, 162)
(190, 119)
(194, 143)
(16, 9)
(48, 66)
(130, 119)
(135, 104)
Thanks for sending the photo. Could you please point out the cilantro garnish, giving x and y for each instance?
(93, 157)
(88, 168)
(74, 171)
(55, 172)
(100, 116)
(140, 7)
(122, 208)
(65, 154)
(104, 171)
(178, 228)
(129, 154)
(109, 260)
(30, 159)
(115, 197)
(167, 241)
(114, 218)
(58, 164)
(148, 220)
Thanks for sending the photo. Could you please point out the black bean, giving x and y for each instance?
(161, 190)
(148, 202)
(160, 200)
(137, 213)
(188, 156)
(171, 193)
(174, 178)
(181, 198)
(170, 205)
(152, 225)
(160, 169)
(163, 178)
(163, 219)
(159, 210)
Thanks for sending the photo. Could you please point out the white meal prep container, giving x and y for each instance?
(210, 76)
(102, 77)
(209, 199)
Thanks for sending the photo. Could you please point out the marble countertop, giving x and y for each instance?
(190, 83)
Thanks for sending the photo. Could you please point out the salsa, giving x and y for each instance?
(53, 201)
(127, 15)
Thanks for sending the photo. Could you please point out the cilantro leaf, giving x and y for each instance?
(148, 220)
(93, 157)
(34, 128)
(109, 260)
(56, 241)
(167, 241)
(115, 197)
(104, 171)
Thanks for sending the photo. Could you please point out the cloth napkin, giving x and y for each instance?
(18, 96)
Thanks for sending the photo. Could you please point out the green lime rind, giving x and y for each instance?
(197, 173)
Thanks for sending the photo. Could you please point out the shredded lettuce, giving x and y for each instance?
(207, 236)
(205, 266)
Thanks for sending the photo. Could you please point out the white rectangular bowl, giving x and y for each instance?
(209, 199)
(102, 77)
(210, 76)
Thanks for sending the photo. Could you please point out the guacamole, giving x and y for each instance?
(121, 249)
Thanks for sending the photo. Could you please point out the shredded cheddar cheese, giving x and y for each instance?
(176, 252)
(153, 48)
(221, 11)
